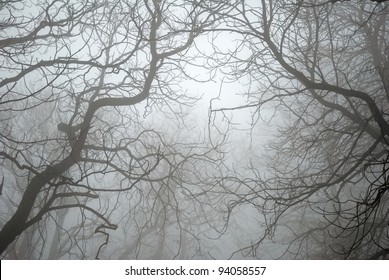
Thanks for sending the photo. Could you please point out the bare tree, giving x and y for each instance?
(324, 67)
(77, 78)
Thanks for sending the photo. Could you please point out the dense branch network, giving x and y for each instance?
(326, 75)
(76, 77)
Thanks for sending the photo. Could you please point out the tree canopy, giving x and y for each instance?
(103, 154)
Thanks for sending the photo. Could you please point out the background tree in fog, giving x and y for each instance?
(324, 69)
(77, 77)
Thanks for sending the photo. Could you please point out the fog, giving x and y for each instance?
(194, 129)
